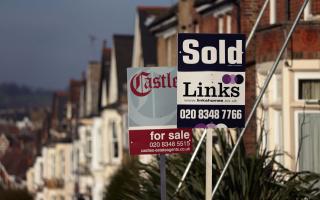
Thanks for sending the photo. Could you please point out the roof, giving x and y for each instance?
(58, 109)
(209, 5)
(148, 41)
(123, 46)
(74, 91)
(9, 129)
(93, 82)
(105, 70)
(19, 166)
(202, 2)
(165, 21)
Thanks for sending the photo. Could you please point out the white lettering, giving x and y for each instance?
(194, 57)
(235, 53)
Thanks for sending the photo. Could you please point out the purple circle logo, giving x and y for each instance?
(232, 79)
(226, 79)
(238, 79)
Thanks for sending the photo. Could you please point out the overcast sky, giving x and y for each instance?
(44, 43)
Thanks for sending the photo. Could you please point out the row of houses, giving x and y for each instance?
(86, 137)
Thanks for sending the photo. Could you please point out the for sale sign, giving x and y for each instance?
(152, 112)
(211, 80)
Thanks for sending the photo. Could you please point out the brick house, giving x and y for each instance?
(290, 108)
(207, 16)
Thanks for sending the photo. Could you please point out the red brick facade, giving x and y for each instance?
(267, 42)
(315, 7)
(305, 42)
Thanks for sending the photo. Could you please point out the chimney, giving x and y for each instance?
(104, 44)
(186, 16)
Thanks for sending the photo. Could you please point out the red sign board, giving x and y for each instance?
(160, 141)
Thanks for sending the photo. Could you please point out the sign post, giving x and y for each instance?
(209, 164)
(211, 86)
(163, 178)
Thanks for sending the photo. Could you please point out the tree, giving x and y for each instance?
(15, 194)
(249, 177)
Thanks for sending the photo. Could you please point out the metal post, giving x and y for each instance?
(209, 163)
(191, 161)
(254, 28)
(266, 83)
(204, 134)
(163, 181)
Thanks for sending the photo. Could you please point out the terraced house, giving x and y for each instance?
(87, 139)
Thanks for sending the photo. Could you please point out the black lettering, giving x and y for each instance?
(210, 92)
(235, 92)
(200, 90)
(186, 90)
(223, 91)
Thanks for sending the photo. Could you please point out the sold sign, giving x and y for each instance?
(211, 80)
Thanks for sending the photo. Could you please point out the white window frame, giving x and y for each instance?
(168, 50)
(303, 76)
(99, 145)
(168, 45)
(266, 129)
(229, 23)
(53, 165)
(220, 24)
(197, 28)
(113, 158)
(125, 131)
(273, 11)
(277, 81)
(296, 131)
(278, 132)
(62, 164)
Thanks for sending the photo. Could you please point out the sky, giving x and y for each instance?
(45, 43)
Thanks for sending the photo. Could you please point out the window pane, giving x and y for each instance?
(115, 140)
(114, 131)
(115, 150)
(309, 140)
(309, 89)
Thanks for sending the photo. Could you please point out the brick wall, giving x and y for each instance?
(249, 11)
(250, 137)
(208, 24)
(186, 16)
(303, 45)
(315, 7)
(282, 10)
(234, 22)
(294, 8)
(306, 40)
